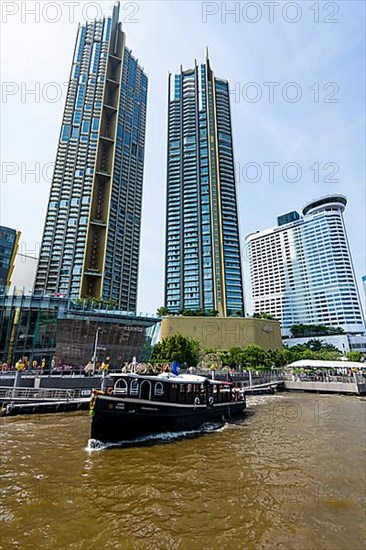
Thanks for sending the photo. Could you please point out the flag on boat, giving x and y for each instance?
(175, 367)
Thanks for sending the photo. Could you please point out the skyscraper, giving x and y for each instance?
(203, 264)
(91, 238)
(302, 272)
(9, 239)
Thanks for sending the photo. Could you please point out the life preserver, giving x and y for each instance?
(109, 390)
(197, 400)
(210, 400)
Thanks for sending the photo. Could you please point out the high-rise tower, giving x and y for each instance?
(91, 238)
(203, 264)
(9, 241)
(302, 271)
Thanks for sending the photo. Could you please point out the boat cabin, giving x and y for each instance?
(182, 389)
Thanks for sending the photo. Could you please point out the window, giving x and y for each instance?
(65, 132)
(85, 127)
(134, 389)
(158, 389)
(121, 386)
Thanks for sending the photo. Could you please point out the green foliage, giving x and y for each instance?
(354, 356)
(176, 348)
(263, 315)
(238, 313)
(254, 357)
(319, 345)
(162, 311)
(301, 331)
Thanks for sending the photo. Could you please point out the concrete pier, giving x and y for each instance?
(351, 386)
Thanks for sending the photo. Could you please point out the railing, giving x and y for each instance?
(262, 377)
(41, 394)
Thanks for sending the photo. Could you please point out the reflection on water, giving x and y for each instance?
(290, 475)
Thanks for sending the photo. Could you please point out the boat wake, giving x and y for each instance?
(153, 439)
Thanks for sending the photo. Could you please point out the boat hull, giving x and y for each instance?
(116, 420)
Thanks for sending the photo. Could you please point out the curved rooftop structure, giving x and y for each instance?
(334, 201)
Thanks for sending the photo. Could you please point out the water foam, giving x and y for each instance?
(163, 437)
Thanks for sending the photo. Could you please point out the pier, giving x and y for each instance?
(14, 401)
(329, 384)
(309, 375)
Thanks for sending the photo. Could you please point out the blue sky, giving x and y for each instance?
(164, 35)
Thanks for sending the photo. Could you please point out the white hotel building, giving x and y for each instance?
(302, 272)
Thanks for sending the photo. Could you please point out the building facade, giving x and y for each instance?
(91, 238)
(9, 241)
(203, 265)
(302, 271)
(221, 334)
(59, 330)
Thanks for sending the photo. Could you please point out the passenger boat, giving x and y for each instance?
(135, 405)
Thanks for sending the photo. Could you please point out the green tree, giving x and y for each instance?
(319, 345)
(176, 348)
(276, 358)
(326, 355)
(263, 315)
(162, 311)
(254, 357)
(354, 356)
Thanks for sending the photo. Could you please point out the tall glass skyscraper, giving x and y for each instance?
(302, 271)
(203, 264)
(91, 239)
(9, 240)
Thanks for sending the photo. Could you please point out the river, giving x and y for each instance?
(290, 475)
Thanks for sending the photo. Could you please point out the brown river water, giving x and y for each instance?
(290, 475)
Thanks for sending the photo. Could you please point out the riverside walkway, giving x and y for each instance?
(320, 376)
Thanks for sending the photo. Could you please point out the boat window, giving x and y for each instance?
(158, 389)
(134, 387)
(145, 389)
(121, 386)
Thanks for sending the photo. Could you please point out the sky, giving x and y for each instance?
(297, 77)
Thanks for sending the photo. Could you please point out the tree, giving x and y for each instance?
(254, 357)
(176, 348)
(354, 356)
(238, 313)
(320, 345)
(263, 315)
(162, 311)
(276, 358)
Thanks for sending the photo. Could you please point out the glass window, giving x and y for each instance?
(65, 134)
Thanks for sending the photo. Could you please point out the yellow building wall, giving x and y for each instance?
(223, 333)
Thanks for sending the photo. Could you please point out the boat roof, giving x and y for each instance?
(170, 377)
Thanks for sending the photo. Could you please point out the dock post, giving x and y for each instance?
(104, 381)
(17, 379)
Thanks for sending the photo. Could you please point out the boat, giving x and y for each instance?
(135, 405)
